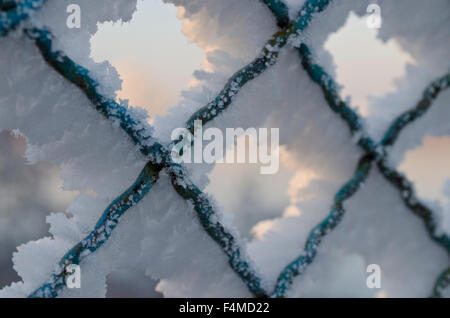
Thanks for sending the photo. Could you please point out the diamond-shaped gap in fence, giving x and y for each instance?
(367, 67)
(204, 209)
(248, 196)
(154, 73)
(427, 166)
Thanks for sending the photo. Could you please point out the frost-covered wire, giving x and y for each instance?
(267, 57)
(102, 231)
(398, 179)
(328, 86)
(405, 187)
(139, 131)
(334, 101)
(315, 237)
(228, 241)
(135, 125)
(376, 150)
(12, 13)
(319, 76)
(401, 183)
(429, 95)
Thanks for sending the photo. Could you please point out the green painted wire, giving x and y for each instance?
(140, 134)
(401, 183)
(299, 265)
(267, 58)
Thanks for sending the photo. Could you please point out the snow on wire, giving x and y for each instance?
(12, 12)
(374, 151)
(158, 158)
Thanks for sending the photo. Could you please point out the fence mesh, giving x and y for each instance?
(13, 12)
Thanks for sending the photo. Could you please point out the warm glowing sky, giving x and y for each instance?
(356, 54)
(429, 172)
(152, 55)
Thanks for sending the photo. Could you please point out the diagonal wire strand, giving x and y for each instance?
(101, 233)
(267, 57)
(299, 265)
(403, 185)
(137, 129)
(376, 153)
(228, 241)
(400, 182)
